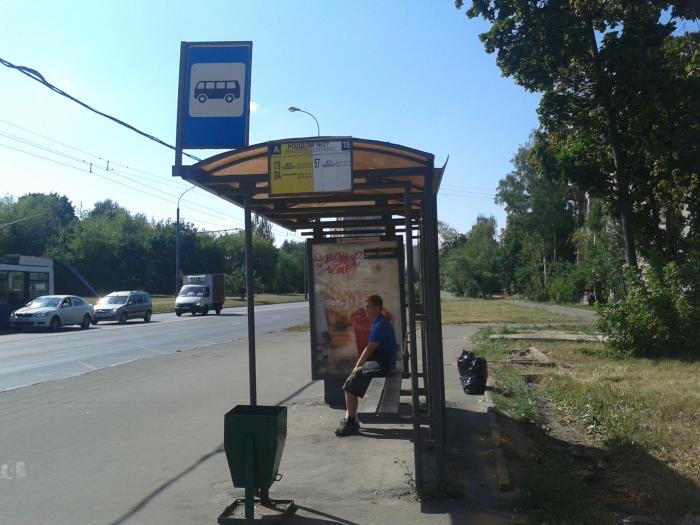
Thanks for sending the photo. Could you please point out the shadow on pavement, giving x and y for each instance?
(332, 520)
(405, 434)
(145, 501)
(34, 330)
(219, 450)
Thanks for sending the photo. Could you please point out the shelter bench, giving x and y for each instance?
(381, 401)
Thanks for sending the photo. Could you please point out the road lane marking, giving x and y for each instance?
(123, 362)
(89, 367)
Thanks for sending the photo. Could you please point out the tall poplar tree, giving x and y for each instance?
(603, 67)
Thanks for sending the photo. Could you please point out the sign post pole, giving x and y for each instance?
(250, 292)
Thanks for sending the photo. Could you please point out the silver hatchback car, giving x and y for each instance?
(122, 306)
(52, 312)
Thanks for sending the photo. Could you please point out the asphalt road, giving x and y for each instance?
(28, 358)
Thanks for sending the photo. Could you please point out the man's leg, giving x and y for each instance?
(351, 402)
(355, 386)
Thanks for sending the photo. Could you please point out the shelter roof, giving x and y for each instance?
(382, 173)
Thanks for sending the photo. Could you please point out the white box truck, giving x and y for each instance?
(201, 293)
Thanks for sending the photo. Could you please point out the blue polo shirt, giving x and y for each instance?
(383, 333)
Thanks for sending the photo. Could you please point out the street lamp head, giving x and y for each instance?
(292, 109)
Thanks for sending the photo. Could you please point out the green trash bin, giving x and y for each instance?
(262, 428)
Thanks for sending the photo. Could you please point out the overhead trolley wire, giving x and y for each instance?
(107, 162)
(94, 166)
(79, 168)
(167, 180)
(35, 75)
(95, 169)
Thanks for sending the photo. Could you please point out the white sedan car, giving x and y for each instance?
(52, 312)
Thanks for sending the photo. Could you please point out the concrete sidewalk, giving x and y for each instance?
(141, 443)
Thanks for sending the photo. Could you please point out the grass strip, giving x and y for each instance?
(642, 416)
(465, 310)
(514, 396)
(491, 349)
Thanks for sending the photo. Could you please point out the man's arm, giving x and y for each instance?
(367, 353)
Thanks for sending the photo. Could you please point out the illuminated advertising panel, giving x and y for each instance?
(342, 275)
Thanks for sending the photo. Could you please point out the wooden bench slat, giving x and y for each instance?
(381, 401)
(373, 397)
(391, 395)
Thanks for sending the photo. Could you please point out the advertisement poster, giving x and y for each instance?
(342, 275)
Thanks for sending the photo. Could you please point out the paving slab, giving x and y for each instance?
(554, 308)
(550, 335)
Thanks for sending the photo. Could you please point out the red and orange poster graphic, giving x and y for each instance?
(343, 275)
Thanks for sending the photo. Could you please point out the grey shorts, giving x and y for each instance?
(356, 383)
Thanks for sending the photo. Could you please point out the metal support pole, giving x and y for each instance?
(177, 252)
(180, 110)
(424, 330)
(177, 241)
(250, 296)
(178, 166)
(249, 480)
(434, 328)
(306, 273)
(417, 440)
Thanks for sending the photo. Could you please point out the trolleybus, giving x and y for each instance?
(22, 278)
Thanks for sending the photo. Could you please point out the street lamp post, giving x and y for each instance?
(177, 242)
(293, 109)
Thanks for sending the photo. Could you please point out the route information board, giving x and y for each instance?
(310, 166)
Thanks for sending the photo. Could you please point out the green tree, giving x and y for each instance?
(235, 283)
(264, 257)
(541, 212)
(473, 268)
(38, 223)
(449, 237)
(600, 255)
(601, 66)
(111, 248)
(262, 228)
(289, 272)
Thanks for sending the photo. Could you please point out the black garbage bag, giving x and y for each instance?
(474, 380)
(465, 362)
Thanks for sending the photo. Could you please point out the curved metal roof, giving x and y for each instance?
(382, 173)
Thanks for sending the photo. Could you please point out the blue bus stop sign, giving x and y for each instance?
(214, 95)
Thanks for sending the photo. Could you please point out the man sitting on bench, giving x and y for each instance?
(380, 348)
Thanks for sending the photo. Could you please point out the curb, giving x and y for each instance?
(504, 483)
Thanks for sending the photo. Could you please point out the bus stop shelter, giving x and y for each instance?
(394, 194)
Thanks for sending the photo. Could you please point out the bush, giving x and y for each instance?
(655, 318)
(566, 284)
(562, 290)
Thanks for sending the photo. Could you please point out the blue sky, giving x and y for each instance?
(408, 72)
